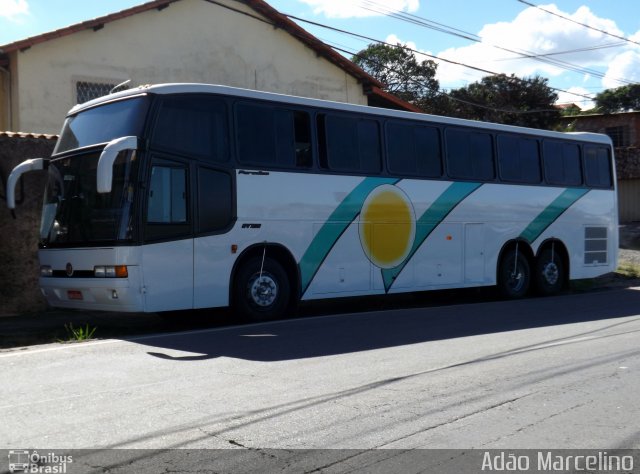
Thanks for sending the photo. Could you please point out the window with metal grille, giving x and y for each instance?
(619, 135)
(86, 91)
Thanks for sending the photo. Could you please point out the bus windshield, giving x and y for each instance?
(74, 213)
(102, 124)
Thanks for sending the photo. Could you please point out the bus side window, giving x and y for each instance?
(167, 202)
(273, 136)
(597, 166)
(167, 195)
(470, 155)
(350, 144)
(321, 127)
(414, 150)
(562, 163)
(302, 136)
(215, 200)
(194, 126)
(519, 159)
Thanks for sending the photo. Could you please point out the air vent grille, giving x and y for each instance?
(595, 246)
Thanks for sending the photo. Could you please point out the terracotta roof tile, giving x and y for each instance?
(260, 6)
(85, 25)
(46, 136)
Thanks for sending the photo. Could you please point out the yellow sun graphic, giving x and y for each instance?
(387, 226)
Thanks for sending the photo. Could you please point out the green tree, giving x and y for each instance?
(620, 99)
(570, 110)
(504, 99)
(399, 71)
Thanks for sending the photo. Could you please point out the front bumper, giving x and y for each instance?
(103, 294)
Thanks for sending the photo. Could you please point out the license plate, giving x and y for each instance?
(74, 294)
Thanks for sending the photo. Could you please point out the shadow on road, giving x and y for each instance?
(323, 336)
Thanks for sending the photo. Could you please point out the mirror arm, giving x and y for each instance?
(34, 164)
(108, 158)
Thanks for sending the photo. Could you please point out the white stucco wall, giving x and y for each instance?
(190, 41)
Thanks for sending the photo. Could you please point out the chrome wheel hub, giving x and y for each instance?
(263, 290)
(516, 279)
(550, 273)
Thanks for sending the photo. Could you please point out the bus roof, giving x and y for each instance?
(191, 88)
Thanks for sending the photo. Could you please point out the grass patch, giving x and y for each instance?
(79, 334)
(628, 270)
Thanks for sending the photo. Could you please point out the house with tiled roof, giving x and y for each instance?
(242, 43)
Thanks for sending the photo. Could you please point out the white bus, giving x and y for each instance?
(181, 196)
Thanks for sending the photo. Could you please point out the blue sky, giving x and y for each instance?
(601, 61)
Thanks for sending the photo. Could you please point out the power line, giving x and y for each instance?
(455, 63)
(578, 23)
(455, 99)
(377, 8)
(271, 23)
(572, 51)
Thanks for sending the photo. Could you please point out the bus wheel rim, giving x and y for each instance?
(516, 279)
(550, 273)
(263, 290)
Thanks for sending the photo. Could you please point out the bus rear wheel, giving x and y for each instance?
(261, 290)
(514, 275)
(549, 273)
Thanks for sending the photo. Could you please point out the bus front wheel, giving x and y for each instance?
(262, 290)
(514, 275)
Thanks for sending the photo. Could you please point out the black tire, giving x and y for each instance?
(549, 273)
(514, 278)
(261, 298)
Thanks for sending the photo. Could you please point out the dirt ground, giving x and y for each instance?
(630, 243)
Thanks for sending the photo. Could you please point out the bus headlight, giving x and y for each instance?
(110, 271)
(46, 271)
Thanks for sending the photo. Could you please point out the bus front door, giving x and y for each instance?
(167, 255)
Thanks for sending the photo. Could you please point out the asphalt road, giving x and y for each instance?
(560, 372)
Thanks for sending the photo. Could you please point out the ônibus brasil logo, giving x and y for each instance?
(23, 460)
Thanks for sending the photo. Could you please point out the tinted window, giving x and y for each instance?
(562, 163)
(271, 136)
(597, 166)
(413, 150)
(214, 200)
(167, 195)
(349, 144)
(519, 159)
(469, 155)
(195, 126)
(302, 135)
(167, 214)
(104, 123)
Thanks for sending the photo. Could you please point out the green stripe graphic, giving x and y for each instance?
(431, 219)
(334, 227)
(549, 215)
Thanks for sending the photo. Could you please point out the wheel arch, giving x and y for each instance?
(276, 251)
(523, 246)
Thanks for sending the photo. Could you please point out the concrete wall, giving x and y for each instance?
(628, 202)
(628, 171)
(189, 41)
(19, 290)
(4, 98)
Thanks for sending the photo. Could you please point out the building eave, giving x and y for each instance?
(95, 24)
(392, 101)
(370, 84)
